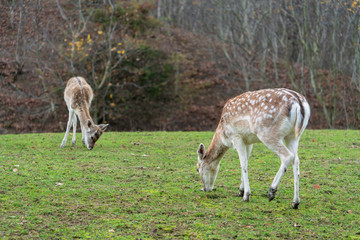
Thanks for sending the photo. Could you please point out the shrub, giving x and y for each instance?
(142, 84)
(135, 17)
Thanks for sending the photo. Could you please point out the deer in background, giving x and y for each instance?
(275, 117)
(78, 96)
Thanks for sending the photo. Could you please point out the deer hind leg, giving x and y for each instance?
(293, 144)
(242, 150)
(74, 130)
(241, 188)
(286, 157)
(71, 113)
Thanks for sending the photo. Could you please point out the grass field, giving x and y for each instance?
(144, 185)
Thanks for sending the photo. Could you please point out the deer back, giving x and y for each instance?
(78, 93)
(269, 111)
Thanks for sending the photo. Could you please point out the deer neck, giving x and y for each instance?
(216, 149)
(83, 114)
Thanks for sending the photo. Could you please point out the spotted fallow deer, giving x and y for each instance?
(275, 117)
(78, 96)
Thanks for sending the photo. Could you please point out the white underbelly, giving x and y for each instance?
(245, 134)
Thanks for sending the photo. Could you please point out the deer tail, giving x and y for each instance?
(302, 117)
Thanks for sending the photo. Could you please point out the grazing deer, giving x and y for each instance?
(275, 117)
(78, 96)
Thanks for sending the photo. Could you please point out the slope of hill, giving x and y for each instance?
(34, 68)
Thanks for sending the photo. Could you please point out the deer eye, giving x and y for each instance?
(92, 137)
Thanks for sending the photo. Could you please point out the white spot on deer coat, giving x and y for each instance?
(267, 116)
(273, 110)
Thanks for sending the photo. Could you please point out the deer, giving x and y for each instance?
(78, 96)
(275, 117)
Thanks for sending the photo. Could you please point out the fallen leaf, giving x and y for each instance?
(23, 222)
(349, 211)
(144, 155)
(111, 230)
(316, 186)
(248, 226)
(59, 184)
(296, 225)
(15, 170)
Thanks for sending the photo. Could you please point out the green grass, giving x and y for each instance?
(145, 186)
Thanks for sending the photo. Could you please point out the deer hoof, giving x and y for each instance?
(246, 197)
(241, 193)
(271, 194)
(295, 205)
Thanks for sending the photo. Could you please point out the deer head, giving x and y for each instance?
(208, 169)
(93, 133)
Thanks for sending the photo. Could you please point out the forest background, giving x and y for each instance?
(172, 64)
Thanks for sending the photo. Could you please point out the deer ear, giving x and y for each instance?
(201, 151)
(103, 127)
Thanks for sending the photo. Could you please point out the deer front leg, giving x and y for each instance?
(82, 133)
(71, 113)
(241, 188)
(242, 151)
